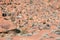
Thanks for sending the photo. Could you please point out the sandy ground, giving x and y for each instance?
(36, 19)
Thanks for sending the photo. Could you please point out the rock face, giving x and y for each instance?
(29, 19)
(6, 25)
